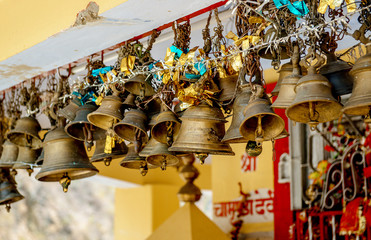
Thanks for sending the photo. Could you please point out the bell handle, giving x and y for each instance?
(305, 62)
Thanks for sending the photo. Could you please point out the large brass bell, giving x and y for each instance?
(133, 128)
(80, 128)
(135, 161)
(166, 127)
(359, 102)
(65, 159)
(137, 85)
(9, 154)
(26, 159)
(260, 123)
(26, 133)
(69, 112)
(8, 189)
(201, 132)
(162, 157)
(285, 70)
(233, 134)
(287, 89)
(314, 102)
(337, 72)
(228, 86)
(118, 151)
(108, 113)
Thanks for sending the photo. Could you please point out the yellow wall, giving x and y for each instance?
(25, 23)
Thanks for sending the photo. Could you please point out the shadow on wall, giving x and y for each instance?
(85, 212)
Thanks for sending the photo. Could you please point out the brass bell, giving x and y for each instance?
(108, 113)
(201, 132)
(314, 102)
(129, 101)
(162, 157)
(65, 159)
(233, 134)
(80, 128)
(26, 133)
(337, 72)
(135, 161)
(287, 89)
(69, 112)
(133, 128)
(148, 148)
(8, 189)
(359, 102)
(9, 154)
(119, 151)
(137, 85)
(166, 127)
(285, 70)
(228, 86)
(260, 123)
(26, 159)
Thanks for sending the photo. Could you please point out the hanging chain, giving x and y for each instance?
(206, 36)
(182, 33)
(218, 38)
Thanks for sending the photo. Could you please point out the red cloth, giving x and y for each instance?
(349, 222)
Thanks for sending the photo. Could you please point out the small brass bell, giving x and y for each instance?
(26, 133)
(162, 157)
(26, 158)
(359, 102)
(260, 123)
(285, 70)
(108, 113)
(80, 128)
(9, 154)
(137, 85)
(233, 134)
(134, 161)
(133, 128)
(69, 112)
(148, 148)
(228, 86)
(287, 89)
(166, 128)
(253, 149)
(119, 151)
(314, 102)
(8, 189)
(337, 72)
(65, 159)
(201, 132)
(129, 101)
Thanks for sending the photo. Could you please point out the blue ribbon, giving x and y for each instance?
(177, 51)
(103, 70)
(297, 8)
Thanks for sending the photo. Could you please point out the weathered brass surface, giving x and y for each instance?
(108, 113)
(337, 72)
(119, 151)
(26, 133)
(134, 161)
(261, 123)
(80, 124)
(162, 157)
(166, 127)
(64, 155)
(202, 129)
(133, 126)
(8, 189)
(26, 156)
(285, 70)
(148, 148)
(129, 101)
(287, 92)
(70, 110)
(314, 102)
(359, 102)
(228, 87)
(138, 86)
(9, 154)
(233, 134)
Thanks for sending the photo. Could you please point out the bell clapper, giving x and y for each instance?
(202, 157)
(30, 171)
(313, 116)
(65, 181)
(164, 164)
(170, 132)
(107, 161)
(143, 169)
(259, 133)
(7, 207)
(253, 149)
